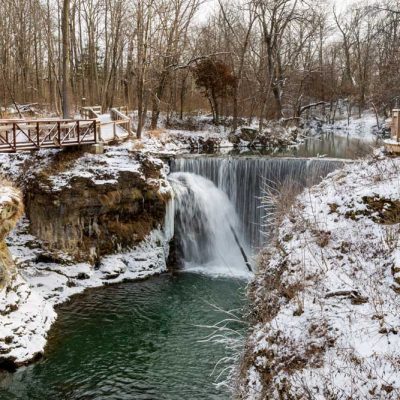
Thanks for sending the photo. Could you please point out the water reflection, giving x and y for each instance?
(328, 145)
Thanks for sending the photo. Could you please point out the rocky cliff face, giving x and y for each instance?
(96, 204)
(11, 209)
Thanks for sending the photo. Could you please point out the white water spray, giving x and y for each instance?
(205, 220)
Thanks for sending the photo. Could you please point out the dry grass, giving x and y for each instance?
(137, 145)
(278, 200)
(156, 133)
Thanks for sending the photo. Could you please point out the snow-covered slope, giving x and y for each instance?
(365, 128)
(327, 295)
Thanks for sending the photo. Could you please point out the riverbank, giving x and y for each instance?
(199, 134)
(326, 296)
(91, 220)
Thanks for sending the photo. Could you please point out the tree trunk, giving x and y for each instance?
(235, 108)
(66, 90)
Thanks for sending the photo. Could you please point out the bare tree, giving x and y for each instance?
(66, 83)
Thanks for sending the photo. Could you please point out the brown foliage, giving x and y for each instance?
(217, 81)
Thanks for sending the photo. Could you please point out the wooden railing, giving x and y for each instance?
(117, 120)
(122, 110)
(119, 128)
(16, 135)
(35, 134)
(92, 112)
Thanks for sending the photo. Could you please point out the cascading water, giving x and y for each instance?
(243, 179)
(205, 227)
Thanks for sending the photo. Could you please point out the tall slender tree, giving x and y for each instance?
(66, 78)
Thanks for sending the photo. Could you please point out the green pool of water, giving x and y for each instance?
(133, 341)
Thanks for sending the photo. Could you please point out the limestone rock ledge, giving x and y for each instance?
(97, 204)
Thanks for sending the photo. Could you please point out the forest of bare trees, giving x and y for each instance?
(258, 58)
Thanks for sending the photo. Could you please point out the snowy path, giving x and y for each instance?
(107, 131)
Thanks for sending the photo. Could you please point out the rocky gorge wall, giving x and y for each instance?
(96, 205)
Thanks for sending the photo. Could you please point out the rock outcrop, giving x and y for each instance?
(11, 209)
(274, 135)
(97, 205)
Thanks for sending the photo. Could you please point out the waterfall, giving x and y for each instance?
(169, 220)
(205, 220)
(243, 180)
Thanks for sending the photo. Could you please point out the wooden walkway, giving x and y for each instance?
(34, 134)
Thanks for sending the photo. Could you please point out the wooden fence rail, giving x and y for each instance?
(122, 109)
(118, 129)
(18, 135)
(92, 112)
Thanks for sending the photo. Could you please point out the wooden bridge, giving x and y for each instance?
(94, 127)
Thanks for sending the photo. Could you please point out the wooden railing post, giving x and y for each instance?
(94, 127)
(15, 136)
(59, 132)
(398, 124)
(37, 134)
(99, 130)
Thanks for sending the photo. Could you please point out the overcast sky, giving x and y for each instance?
(212, 4)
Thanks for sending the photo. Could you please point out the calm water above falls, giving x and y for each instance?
(133, 341)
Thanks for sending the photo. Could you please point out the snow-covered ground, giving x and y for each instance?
(365, 128)
(108, 132)
(327, 295)
(27, 306)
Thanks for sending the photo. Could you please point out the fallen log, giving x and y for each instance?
(246, 260)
